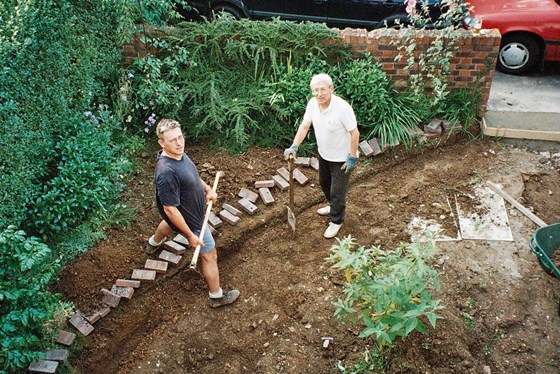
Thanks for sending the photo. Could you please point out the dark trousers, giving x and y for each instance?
(334, 183)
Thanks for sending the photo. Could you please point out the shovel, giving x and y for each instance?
(291, 215)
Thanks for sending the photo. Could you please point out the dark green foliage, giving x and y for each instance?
(26, 269)
(460, 107)
(239, 79)
(381, 110)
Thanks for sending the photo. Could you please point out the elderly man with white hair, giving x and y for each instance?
(336, 131)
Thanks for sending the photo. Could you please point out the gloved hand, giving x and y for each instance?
(350, 164)
(290, 151)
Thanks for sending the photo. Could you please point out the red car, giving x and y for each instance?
(530, 30)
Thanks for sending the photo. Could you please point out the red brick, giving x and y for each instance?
(57, 355)
(180, 239)
(142, 274)
(266, 196)
(93, 318)
(236, 212)
(366, 148)
(110, 298)
(266, 183)
(300, 177)
(80, 323)
(314, 163)
(248, 206)
(302, 161)
(43, 366)
(280, 182)
(284, 173)
(125, 292)
(434, 127)
(103, 311)
(127, 283)
(374, 144)
(65, 337)
(228, 217)
(170, 257)
(214, 220)
(174, 247)
(248, 194)
(158, 266)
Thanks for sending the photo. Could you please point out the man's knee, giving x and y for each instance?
(210, 256)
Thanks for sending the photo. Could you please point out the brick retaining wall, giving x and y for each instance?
(473, 62)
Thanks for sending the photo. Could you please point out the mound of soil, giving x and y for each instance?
(501, 308)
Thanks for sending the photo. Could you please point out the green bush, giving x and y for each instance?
(381, 110)
(26, 269)
(233, 78)
(390, 291)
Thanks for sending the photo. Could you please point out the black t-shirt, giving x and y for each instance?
(178, 184)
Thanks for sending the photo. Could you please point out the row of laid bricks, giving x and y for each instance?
(434, 129)
(174, 249)
(172, 253)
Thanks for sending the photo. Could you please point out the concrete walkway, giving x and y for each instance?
(525, 107)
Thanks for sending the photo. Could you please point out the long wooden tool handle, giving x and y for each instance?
(291, 177)
(516, 204)
(205, 223)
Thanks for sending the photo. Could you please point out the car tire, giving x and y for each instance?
(227, 9)
(518, 54)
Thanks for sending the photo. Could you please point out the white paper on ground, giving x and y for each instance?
(489, 222)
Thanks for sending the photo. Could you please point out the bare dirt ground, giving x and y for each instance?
(501, 308)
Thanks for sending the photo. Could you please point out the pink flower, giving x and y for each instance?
(411, 6)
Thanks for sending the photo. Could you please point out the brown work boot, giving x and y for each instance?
(227, 298)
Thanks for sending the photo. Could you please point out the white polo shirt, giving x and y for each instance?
(332, 127)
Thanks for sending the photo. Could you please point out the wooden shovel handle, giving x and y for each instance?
(205, 223)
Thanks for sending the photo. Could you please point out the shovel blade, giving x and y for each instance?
(292, 220)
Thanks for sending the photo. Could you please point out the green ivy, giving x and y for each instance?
(26, 269)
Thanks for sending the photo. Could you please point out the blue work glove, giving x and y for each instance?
(290, 151)
(350, 164)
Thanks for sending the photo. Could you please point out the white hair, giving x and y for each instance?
(322, 77)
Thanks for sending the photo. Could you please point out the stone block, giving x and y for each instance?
(180, 239)
(127, 283)
(280, 182)
(248, 206)
(158, 266)
(110, 298)
(228, 217)
(284, 173)
(57, 355)
(374, 144)
(248, 194)
(232, 210)
(451, 127)
(43, 366)
(366, 148)
(300, 177)
(214, 220)
(65, 337)
(266, 196)
(142, 274)
(174, 247)
(125, 292)
(264, 184)
(80, 323)
(314, 163)
(303, 161)
(169, 257)
(212, 230)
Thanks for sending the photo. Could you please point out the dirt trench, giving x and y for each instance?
(501, 308)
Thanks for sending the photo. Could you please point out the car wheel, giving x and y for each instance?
(227, 9)
(518, 54)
